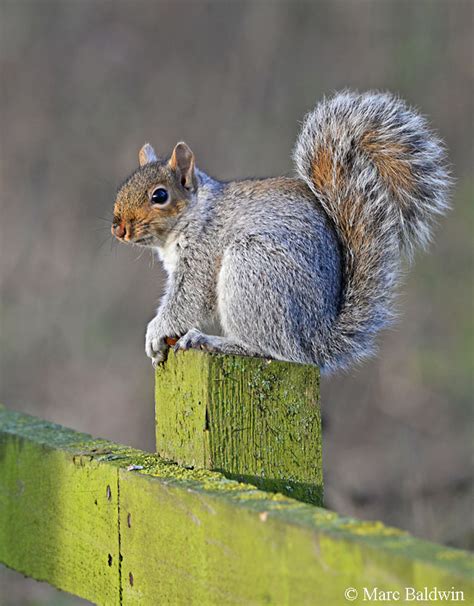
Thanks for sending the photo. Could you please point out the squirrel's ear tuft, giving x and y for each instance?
(182, 160)
(146, 155)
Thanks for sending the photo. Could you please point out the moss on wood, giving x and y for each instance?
(252, 419)
(120, 526)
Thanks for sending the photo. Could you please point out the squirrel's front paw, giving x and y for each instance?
(156, 346)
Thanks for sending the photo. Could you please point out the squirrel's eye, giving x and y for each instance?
(159, 196)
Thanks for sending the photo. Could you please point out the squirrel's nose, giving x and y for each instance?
(119, 230)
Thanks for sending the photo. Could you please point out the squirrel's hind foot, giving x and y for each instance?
(195, 339)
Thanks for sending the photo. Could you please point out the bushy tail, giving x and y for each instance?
(380, 175)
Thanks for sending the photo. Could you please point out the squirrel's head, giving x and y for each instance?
(151, 200)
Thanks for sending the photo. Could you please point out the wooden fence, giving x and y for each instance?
(228, 511)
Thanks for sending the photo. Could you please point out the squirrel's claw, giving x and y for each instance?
(159, 359)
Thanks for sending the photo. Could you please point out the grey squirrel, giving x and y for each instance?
(300, 269)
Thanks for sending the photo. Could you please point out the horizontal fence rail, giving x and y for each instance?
(119, 526)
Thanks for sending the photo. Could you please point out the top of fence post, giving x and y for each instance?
(254, 420)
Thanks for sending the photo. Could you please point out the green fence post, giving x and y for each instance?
(252, 419)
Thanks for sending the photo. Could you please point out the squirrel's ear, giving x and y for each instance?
(182, 160)
(146, 155)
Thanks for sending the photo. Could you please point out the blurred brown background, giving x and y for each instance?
(85, 83)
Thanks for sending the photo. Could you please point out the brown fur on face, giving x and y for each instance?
(146, 223)
(390, 158)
